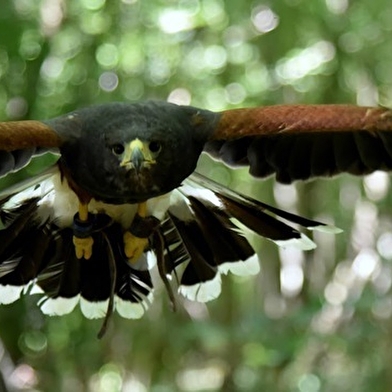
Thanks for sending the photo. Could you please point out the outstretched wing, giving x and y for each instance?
(298, 142)
(21, 140)
(205, 223)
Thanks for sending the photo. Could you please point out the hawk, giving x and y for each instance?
(124, 196)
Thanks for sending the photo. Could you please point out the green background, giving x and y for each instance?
(309, 322)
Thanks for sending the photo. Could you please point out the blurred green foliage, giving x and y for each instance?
(319, 321)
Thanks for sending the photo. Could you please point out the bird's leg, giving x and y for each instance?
(133, 245)
(82, 239)
(136, 238)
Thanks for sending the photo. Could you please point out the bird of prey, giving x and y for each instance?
(124, 195)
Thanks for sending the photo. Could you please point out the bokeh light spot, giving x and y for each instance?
(180, 96)
(175, 21)
(384, 245)
(291, 279)
(366, 263)
(108, 81)
(107, 55)
(93, 4)
(309, 383)
(264, 19)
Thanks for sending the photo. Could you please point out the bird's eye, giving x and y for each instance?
(154, 147)
(118, 149)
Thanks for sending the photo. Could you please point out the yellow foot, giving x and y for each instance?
(83, 247)
(134, 246)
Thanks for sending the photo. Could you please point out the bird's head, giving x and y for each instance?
(122, 153)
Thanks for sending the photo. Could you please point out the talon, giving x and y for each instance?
(134, 246)
(83, 247)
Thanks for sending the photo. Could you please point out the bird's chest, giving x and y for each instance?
(64, 203)
(114, 185)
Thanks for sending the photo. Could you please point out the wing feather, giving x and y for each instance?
(298, 142)
(20, 141)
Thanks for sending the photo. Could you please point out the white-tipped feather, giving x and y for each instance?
(132, 310)
(326, 229)
(251, 266)
(94, 310)
(58, 306)
(303, 243)
(202, 193)
(35, 289)
(202, 292)
(10, 293)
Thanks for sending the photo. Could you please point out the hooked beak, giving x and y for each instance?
(136, 156)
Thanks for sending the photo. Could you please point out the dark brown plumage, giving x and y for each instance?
(118, 161)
